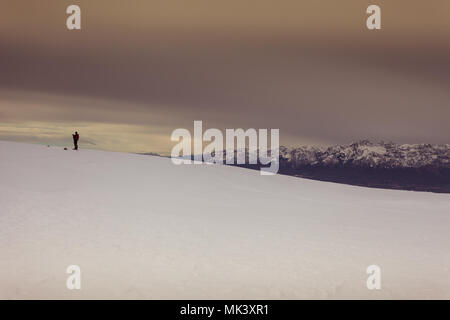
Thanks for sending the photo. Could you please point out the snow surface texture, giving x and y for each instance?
(141, 227)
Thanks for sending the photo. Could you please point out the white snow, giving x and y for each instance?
(373, 149)
(141, 227)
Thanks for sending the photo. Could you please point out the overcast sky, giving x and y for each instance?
(140, 69)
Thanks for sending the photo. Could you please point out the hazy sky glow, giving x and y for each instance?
(139, 69)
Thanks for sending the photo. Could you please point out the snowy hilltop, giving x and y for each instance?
(140, 227)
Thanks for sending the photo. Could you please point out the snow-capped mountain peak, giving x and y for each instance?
(365, 153)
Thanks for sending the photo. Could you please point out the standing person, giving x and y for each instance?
(75, 136)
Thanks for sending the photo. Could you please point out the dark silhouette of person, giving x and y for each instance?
(75, 136)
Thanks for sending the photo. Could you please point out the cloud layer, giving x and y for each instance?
(136, 72)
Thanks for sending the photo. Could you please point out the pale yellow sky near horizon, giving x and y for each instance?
(138, 70)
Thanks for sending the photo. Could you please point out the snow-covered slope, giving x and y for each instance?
(141, 227)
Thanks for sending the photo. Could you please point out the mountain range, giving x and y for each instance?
(419, 167)
(366, 154)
